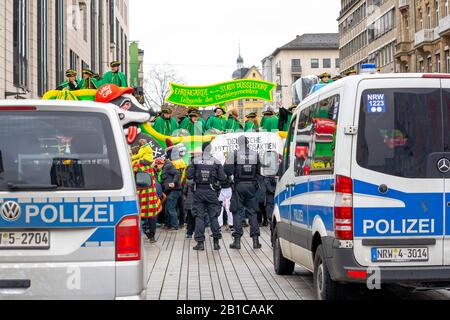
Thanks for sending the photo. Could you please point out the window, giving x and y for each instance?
(314, 63)
(100, 37)
(42, 46)
(327, 63)
(59, 40)
(436, 6)
(112, 26)
(446, 8)
(287, 149)
(20, 44)
(391, 139)
(338, 63)
(428, 17)
(68, 150)
(74, 60)
(421, 20)
(447, 61)
(302, 142)
(323, 136)
(296, 65)
(438, 63)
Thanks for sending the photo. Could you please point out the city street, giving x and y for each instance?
(179, 273)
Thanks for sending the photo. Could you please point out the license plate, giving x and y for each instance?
(24, 240)
(400, 255)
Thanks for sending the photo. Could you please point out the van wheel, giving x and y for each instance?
(283, 266)
(326, 289)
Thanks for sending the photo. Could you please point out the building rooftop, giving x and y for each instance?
(312, 41)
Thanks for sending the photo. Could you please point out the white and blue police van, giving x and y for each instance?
(364, 184)
(69, 217)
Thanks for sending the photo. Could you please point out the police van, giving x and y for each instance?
(69, 218)
(363, 195)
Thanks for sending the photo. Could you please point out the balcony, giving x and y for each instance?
(403, 4)
(296, 69)
(403, 48)
(444, 26)
(424, 36)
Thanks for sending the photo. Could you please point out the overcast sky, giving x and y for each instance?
(200, 38)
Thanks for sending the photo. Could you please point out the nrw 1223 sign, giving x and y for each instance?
(221, 93)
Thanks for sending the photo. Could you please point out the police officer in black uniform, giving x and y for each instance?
(245, 169)
(205, 175)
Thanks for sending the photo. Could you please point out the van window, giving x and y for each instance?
(323, 136)
(303, 143)
(399, 129)
(61, 150)
(287, 148)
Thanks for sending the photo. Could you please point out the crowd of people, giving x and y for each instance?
(226, 198)
(92, 80)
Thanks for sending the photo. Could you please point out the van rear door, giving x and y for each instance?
(398, 188)
(61, 197)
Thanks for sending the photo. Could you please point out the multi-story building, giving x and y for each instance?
(309, 54)
(39, 40)
(368, 33)
(246, 106)
(424, 39)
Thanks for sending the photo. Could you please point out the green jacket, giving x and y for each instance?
(119, 79)
(288, 123)
(89, 84)
(250, 127)
(165, 127)
(195, 129)
(216, 123)
(186, 121)
(271, 124)
(67, 85)
(233, 125)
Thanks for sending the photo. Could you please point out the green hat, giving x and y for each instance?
(325, 75)
(71, 73)
(88, 72)
(252, 115)
(338, 77)
(166, 109)
(268, 113)
(293, 107)
(194, 113)
(349, 72)
(115, 64)
(219, 108)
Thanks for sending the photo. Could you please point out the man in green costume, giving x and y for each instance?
(72, 82)
(251, 125)
(233, 123)
(195, 126)
(271, 122)
(218, 122)
(114, 76)
(165, 123)
(185, 122)
(325, 78)
(88, 81)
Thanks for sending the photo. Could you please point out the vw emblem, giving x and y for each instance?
(444, 165)
(11, 211)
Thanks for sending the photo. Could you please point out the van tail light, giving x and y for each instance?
(343, 208)
(128, 239)
(6, 108)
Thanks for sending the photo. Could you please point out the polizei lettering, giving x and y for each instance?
(400, 227)
(64, 214)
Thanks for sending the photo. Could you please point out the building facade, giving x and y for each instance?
(246, 106)
(368, 33)
(424, 38)
(40, 39)
(309, 54)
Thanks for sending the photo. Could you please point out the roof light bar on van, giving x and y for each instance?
(8, 108)
(128, 239)
(436, 76)
(343, 208)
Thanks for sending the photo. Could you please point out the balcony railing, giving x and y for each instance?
(444, 25)
(424, 36)
(296, 69)
(403, 4)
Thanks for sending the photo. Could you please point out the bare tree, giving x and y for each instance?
(157, 84)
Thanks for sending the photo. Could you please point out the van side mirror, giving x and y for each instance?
(143, 180)
(270, 163)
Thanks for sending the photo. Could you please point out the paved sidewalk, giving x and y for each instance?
(179, 273)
